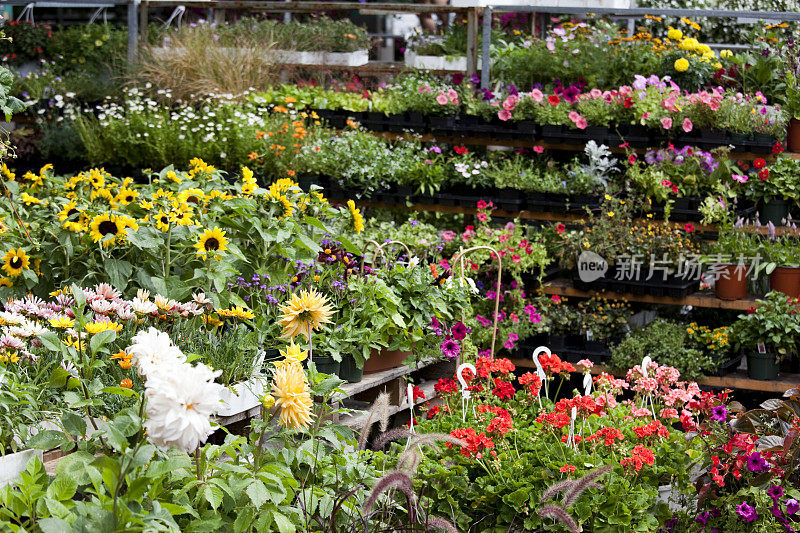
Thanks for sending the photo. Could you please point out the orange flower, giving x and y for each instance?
(291, 172)
(126, 383)
(280, 109)
(252, 155)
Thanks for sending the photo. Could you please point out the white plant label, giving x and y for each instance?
(587, 384)
(589, 335)
(761, 347)
(645, 363)
(461, 380)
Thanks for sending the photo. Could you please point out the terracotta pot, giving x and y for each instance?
(786, 280)
(379, 361)
(793, 135)
(735, 287)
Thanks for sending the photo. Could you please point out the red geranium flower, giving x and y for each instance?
(759, 163)
(567, 469)
(777, 148)
(763, 174)
(560, 227)
(553, 99)
(503, 389)
(461, 149)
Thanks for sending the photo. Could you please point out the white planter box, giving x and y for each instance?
(243, 396)
(436, 62)
(347, 59)
(13, 464)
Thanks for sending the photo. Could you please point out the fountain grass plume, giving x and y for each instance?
(379, 408)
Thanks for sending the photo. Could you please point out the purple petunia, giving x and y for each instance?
(775, 492)
(459, 331)
(756, 463)
(719, 413)
(450, 348)
(792, 506)
(746, 513)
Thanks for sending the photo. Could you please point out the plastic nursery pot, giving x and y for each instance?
(349, 371)
(327, 365)
(775, 211)
(762, 366)
(735, 287)
(793, 135)
(785, 280)
(384, 359)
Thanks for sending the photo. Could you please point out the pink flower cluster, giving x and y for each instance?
(449, 97)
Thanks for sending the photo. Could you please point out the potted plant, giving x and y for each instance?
(768, 332)
(438, 52)
(731, 255)
(775, 188)
(781, 256)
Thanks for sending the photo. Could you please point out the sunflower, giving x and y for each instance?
(212, 241)
(172, 176)
(123, 223)
(70, 211)
(236, 312)
(104, 228)
(304, 313)
(161, 193)
(30, 200)
(182, 217)
(15, 261)
(290, 389)
(5, 282)
(162, 220)
(103, 193)
(358, 220)
(125, 196)
(191, 196)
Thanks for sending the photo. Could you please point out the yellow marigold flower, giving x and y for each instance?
(674, 35)
(688, 44)
(725, 54)
(292, 395)
(304, 314)
(211, 242)
(15, 261)
(681, 65)
(62, 322)
(94, 328)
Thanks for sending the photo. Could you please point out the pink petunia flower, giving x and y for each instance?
(687, 125)
(666, 122)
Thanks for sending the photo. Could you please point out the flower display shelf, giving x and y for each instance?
(469, 126)
(392, 381)
(563, 287)
(673, 287)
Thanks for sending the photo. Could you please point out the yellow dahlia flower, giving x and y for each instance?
(304, 313)
(292, 395)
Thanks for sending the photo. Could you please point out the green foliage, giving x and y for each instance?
(774, 321)
(665, 343)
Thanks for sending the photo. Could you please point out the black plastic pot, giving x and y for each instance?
(349, 370)
(552, 133)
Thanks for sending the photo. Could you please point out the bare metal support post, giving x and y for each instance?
(143, 14)
(472, 41)
(133, 31)
(486, 59)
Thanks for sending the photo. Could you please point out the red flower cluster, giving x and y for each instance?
(433, 411)
(445, 385)
(567, 469)
(476, 442)
(763, 174)
(607, 435)
(501, 423)
(487, 365)
(758, 164)
(533, 381)
(461, 149)
(417, 393)
(503, 389)
(640, 456)
(777, 148)
(552, 364)
(653, 428)
(581, 403)
(558, 420)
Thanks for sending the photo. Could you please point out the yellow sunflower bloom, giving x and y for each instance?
(30, 200)
(181, 217)
(162, 220)
(191, 196)
(104, 228)
(125, 196)
(5, 282)
(15, 261)
(211, 242)
(292, 395)
(304, 313)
